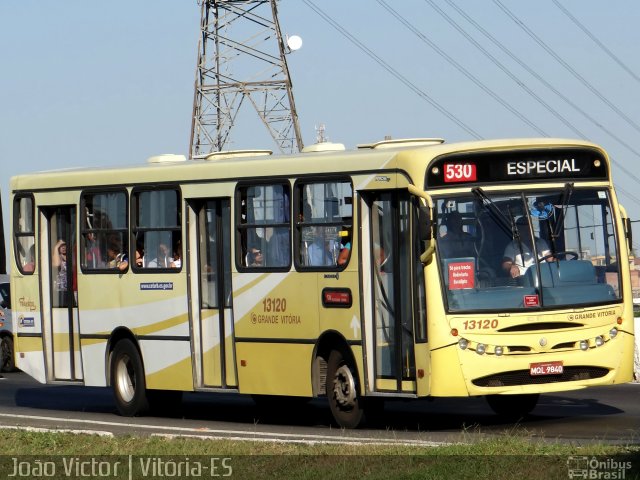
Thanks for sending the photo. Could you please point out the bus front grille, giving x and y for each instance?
(523, 377)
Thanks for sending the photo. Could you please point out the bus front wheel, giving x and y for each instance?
(343, 391)
(513, 407)
(127, 379)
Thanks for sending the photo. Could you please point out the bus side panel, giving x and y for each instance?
(344, 320)
(337, 317)
(446, 373)
(178, 374)
(94, 361)
(275, 368)
(276, 330)
(153, 308)
(27, 320)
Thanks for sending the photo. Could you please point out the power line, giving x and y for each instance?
(596, 40)
(390, 69)
(441, 109)
(502, 67)
(562, 62)
(627, 194)
(459, 67)
(542, 80)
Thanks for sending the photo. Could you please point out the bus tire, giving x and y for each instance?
(6, 354)
(343, 391)
(513, 407)
(127, 379)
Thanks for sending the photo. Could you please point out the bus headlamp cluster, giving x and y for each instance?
(480, 348)
(598, 341)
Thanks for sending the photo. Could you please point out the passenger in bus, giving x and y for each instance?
(320, 253)
(255, 257)
(161, 259)
(59, 260)
(30, 263)
(345, 251)
(456, 243)
(93, 257)
(518, 256)
(116, 258)
(176, 261)
(139, 256)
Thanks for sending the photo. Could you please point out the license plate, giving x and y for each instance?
(545, 368)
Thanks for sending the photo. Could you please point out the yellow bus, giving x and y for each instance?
(402, 269)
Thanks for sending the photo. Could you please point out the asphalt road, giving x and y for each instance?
(601, 414)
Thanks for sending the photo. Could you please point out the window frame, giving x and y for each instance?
(300, 223)
(123, 232)
(240, 226)
(135, 229)
(18, 234)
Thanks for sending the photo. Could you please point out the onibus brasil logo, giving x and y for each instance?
(595, 468)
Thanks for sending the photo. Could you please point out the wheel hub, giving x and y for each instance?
(344, 387)
(125, 379)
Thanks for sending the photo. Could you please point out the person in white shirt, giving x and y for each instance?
(518, 255)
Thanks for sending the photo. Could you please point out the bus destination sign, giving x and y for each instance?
(486, 168)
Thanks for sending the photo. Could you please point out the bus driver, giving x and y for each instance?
(518, 256)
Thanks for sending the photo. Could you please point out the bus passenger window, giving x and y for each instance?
(264, 228)
(103, 224)
(157, 229)
(325, 221)
(24, 233)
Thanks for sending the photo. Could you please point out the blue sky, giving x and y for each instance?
(89, 84)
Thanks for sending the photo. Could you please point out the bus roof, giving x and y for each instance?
(412, 157)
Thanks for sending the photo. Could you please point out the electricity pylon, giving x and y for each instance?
(241, 63)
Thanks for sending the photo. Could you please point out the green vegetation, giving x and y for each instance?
(512, 455)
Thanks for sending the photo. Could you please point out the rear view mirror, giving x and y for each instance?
(424, 220)
(629, 232)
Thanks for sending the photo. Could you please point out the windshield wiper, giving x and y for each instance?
(564, 204)
(508, 225)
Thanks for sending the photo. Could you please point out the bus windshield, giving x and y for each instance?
(528, 250)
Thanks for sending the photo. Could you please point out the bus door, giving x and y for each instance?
(393, 293)
(60, 308)
(210, 287)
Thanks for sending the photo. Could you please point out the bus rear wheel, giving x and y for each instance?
(127, 379)
(513, 407)
(343, 391)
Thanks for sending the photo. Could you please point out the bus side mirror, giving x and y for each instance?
(425, 231)
(629, 232)
(424, 220)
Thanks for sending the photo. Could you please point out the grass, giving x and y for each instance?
(512, 455)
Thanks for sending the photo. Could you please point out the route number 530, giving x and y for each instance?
(459, 172)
